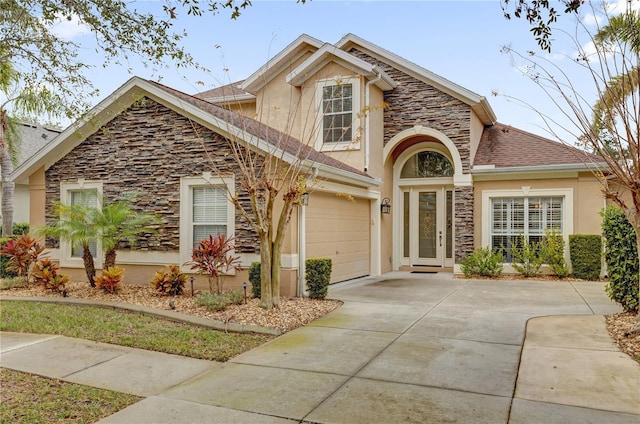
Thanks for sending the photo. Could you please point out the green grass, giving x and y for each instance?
(218, 302)
(126, 329)
(27, 398)
(13, 282)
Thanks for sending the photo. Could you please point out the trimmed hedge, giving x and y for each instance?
(621, 254)
(318, 276)
(586, 255)
(255, 280)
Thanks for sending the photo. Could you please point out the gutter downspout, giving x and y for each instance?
(302, 238)
(366, 116)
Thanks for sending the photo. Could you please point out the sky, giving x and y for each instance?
(458, 40)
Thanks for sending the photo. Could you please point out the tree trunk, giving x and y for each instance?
(266, 295)
(8, 188)
(110, 258)
(89, 267)
(276, 267)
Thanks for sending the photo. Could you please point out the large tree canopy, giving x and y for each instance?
(29, 41)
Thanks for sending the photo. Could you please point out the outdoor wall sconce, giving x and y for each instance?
(304, 198)
(385, 207)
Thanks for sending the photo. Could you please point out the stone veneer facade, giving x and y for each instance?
(414, 102)
(146, 149)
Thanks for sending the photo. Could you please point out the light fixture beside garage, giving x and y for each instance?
(385, 207)
(304, 198)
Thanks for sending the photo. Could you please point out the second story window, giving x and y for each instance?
(337, 110)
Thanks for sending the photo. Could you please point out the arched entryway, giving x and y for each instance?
(424, 193)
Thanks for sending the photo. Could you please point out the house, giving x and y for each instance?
(407, 169)
(32, 138)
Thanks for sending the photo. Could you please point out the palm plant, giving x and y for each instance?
(73, 223)
(118, 221)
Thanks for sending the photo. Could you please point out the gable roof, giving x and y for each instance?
(502, 147)
(302, 45)
(33, 137)
(479, 104)
(330, 53)
(222, 121)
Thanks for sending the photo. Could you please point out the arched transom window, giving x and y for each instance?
(427, 165)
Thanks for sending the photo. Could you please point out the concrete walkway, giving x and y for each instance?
(421, 348)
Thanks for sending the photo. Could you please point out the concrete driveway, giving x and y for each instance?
(423, 348)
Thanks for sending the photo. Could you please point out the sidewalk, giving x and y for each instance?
(409, 349)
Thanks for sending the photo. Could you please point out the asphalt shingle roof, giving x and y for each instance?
(272, 136)
(504, 146)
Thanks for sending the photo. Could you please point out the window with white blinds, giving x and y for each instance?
(209, 212)
(512, 217)
(86, 197)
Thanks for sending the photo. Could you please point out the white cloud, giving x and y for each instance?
(69, 28)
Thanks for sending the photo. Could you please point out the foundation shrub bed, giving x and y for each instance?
(585, 251)
(110, 280)
(318, 277)
(484, 261)
(621, 254)
(47, 275)
(552, 251)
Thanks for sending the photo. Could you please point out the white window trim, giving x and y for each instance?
(186, 227)
(567, 209)
(65, 247)
(356, 130)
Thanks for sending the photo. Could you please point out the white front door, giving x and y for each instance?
(428, 226)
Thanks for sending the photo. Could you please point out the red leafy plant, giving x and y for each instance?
(46, 274)
(214, 257)
(110, 279)
(169, 281)
(22, 252)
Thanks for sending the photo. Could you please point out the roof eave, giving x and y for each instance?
(301, 45)
(479, 103)
(488, 171)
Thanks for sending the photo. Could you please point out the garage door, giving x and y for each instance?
(339, 229)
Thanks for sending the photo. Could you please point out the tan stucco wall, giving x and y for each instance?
(354, 156)
(587, 200)
(376, 131)
(37, 199)
(278, 104)
(386, 221)
(476, 133)
(246, 109)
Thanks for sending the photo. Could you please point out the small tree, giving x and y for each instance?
(119, 221)
(214, 257)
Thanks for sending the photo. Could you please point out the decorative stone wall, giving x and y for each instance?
(414, 102)
(463, 212)
(147, 149)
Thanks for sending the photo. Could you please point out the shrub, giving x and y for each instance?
(13, 283)
(527, 257)
(46, 275)
(4, 261)
(110, 279)
(20, 228)
(585, 251)
(621, 254)
(218, 302)
(483, 261)
(254, 278)
(169, 281)
(214, 257)
(318, 276)
(21, 253)
(552, 250)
